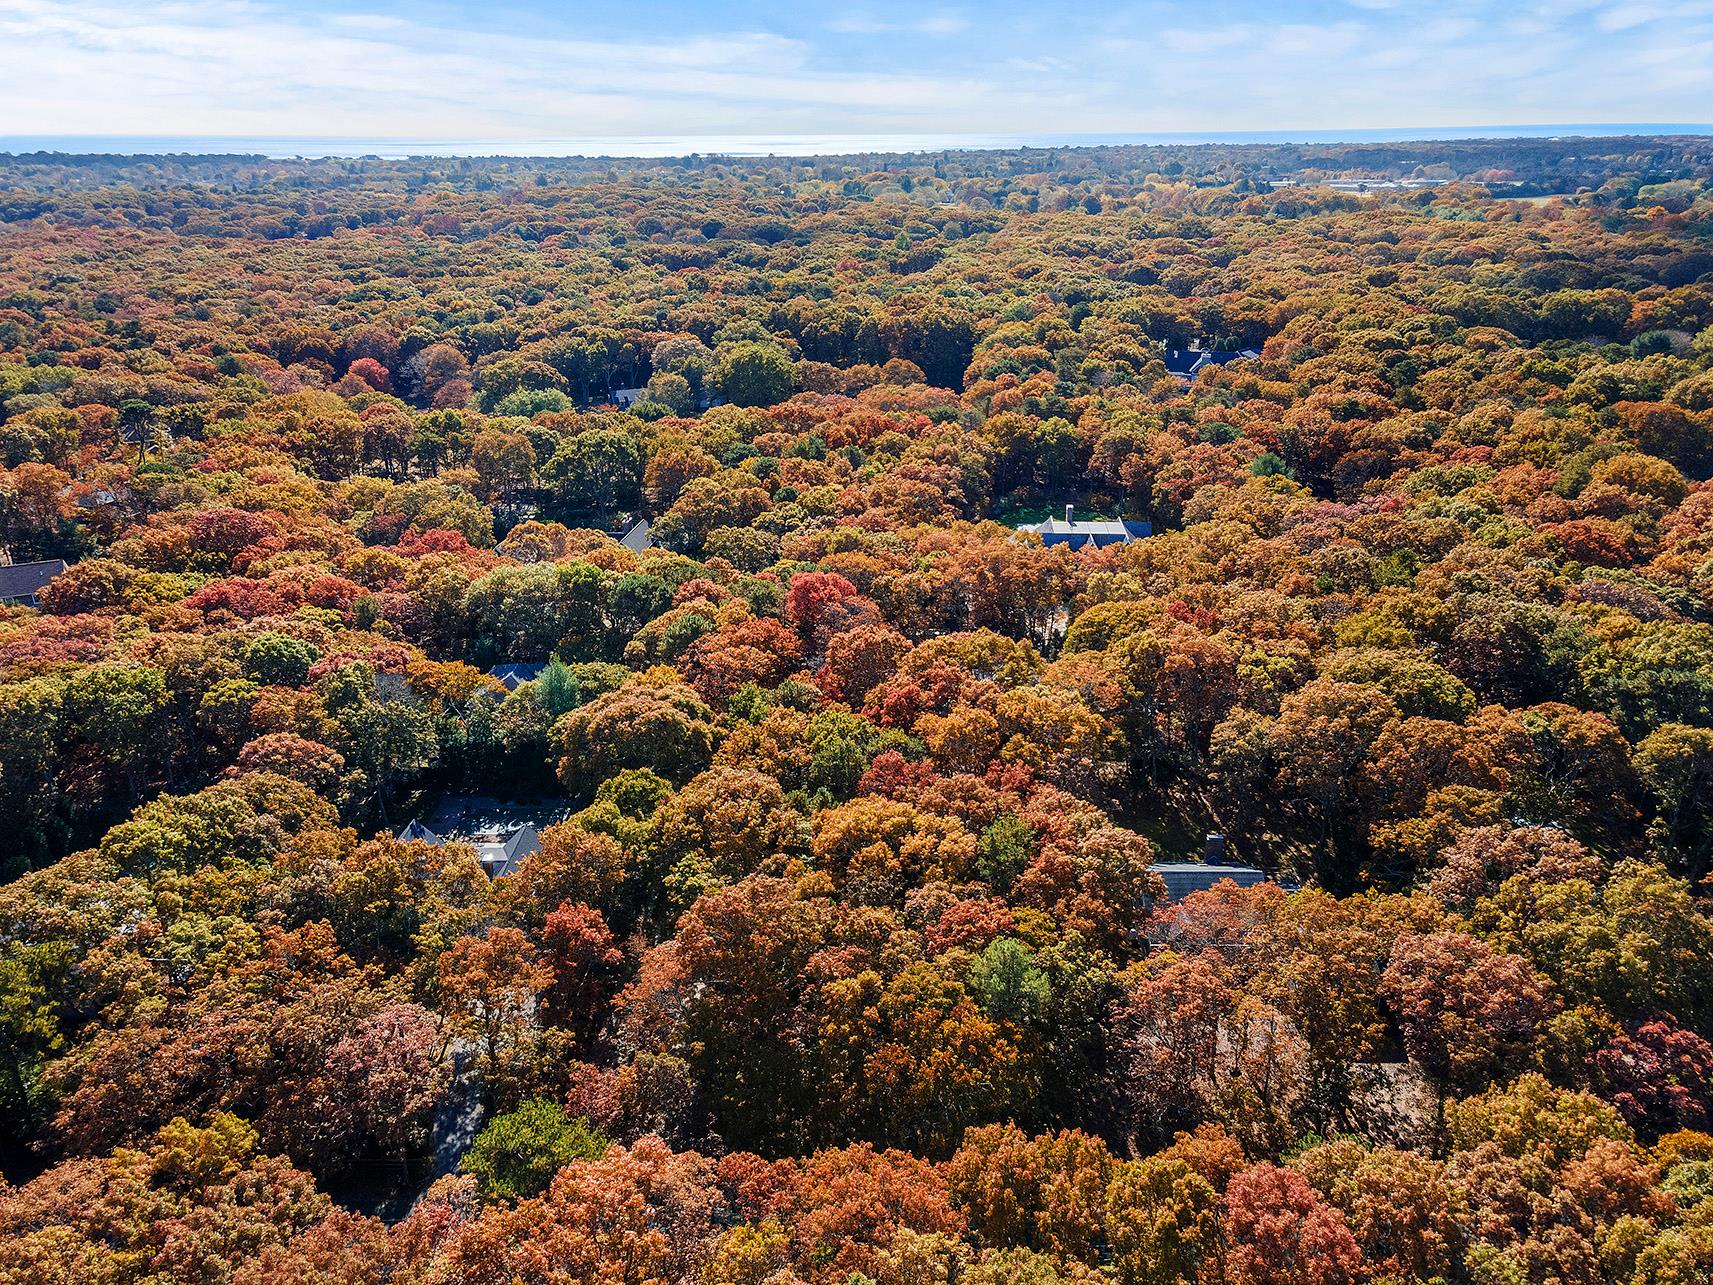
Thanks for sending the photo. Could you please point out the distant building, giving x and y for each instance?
(1086, 533)
(636, 537)
(1363, 185)
(513, 676)
(1184, 364)
(503, 832)
(22, 581)
(499, 851)
(1184, 877)
(625, 398)
(501, 856)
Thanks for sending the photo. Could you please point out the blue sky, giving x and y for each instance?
(536, 70)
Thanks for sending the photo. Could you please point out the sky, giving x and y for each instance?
(526, 69)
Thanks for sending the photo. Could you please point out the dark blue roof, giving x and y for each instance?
(516, 675)
(1185, 362)
(1182, 362)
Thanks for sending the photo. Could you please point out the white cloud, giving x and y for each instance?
(1636, 13)
(1622, 17)
(1199, 40)
(91, 66)
(945, 23)
(263, 68)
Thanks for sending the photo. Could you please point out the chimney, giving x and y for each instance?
(1215, 850)
(1069, 509)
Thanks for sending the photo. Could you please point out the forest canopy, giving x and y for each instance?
(841, 955)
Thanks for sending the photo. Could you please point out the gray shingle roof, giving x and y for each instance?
(1184, 877)
(1080, 532)
(499, 856)
(23, 580)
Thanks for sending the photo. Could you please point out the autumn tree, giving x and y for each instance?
(490, 984)
(1468, 1012)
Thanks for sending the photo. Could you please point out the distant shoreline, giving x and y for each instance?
(795, 145)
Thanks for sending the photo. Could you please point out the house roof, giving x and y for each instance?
(1079, 532)
(26, 579)
(500, 857)
(1099, 526)
(498, 851)
(1184, 877)
(514, 676)
(637, 538)
(1185, 363)
(503, 833)
(521, 844)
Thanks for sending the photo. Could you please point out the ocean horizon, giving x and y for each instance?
(759, 145)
